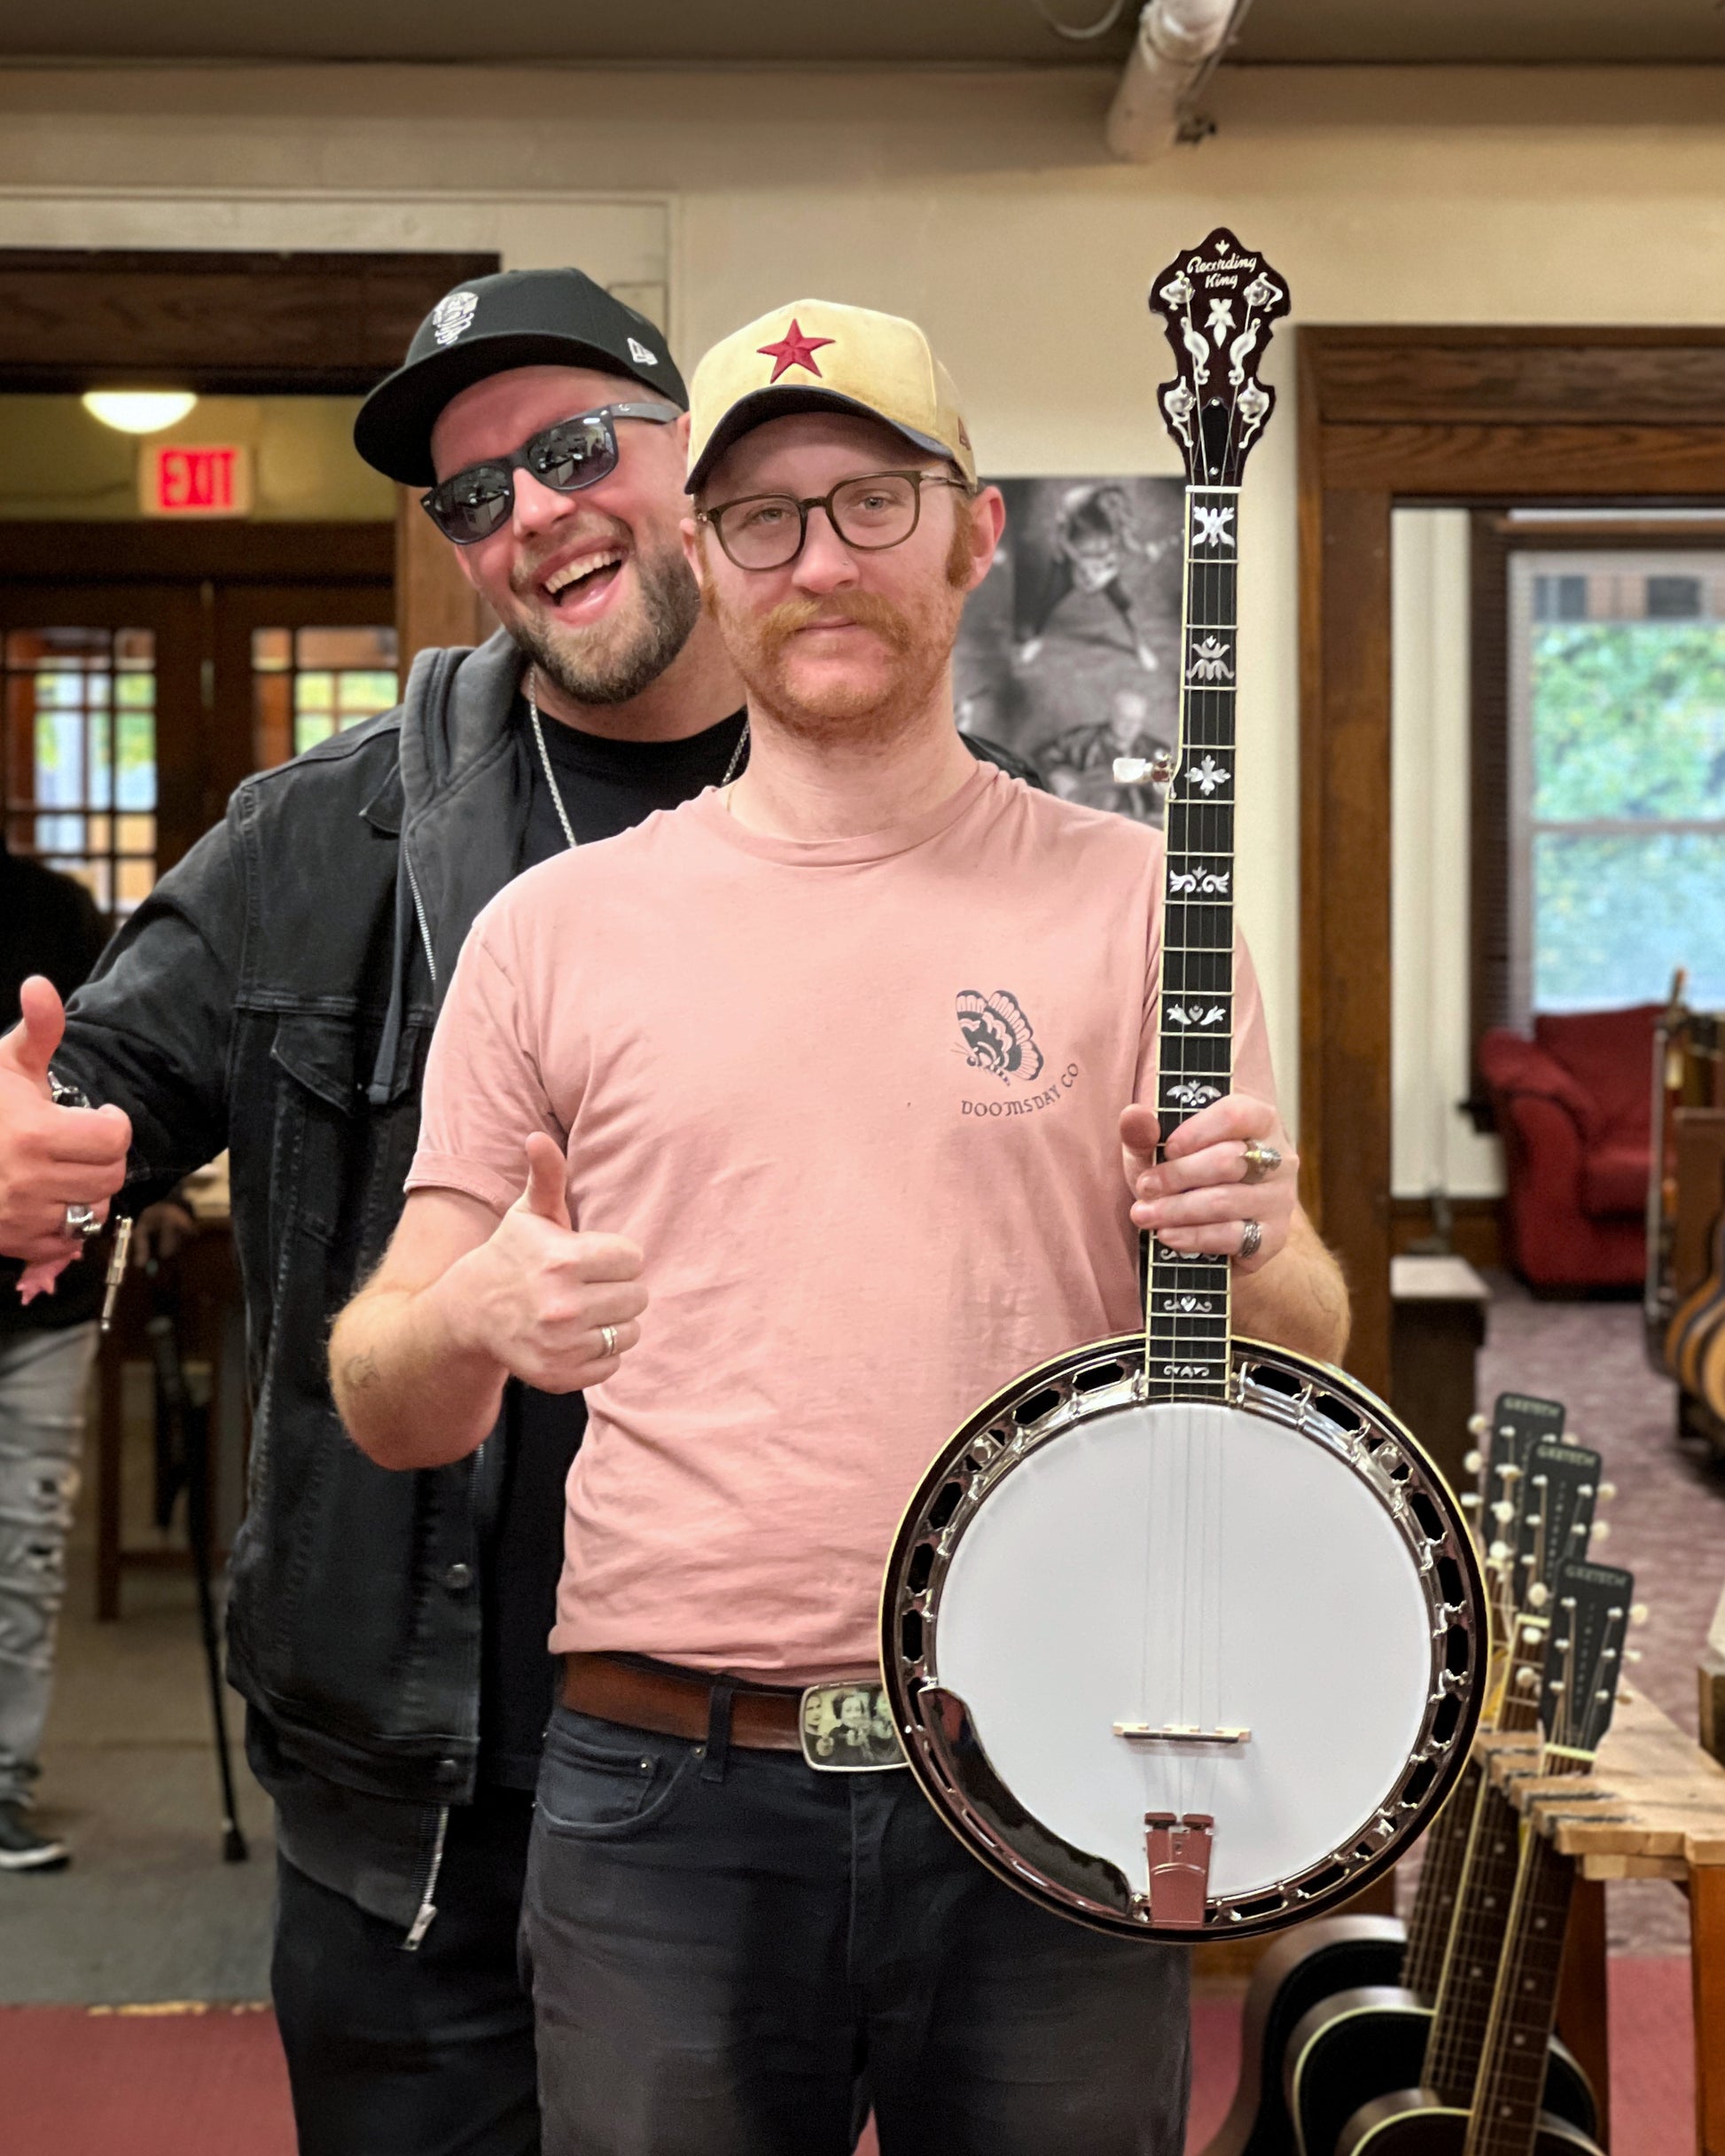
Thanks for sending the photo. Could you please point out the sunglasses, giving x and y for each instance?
(473, 503)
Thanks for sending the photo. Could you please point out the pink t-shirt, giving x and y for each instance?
(857, 1101)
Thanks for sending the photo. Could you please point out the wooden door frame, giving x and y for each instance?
(236, 324)
(1392, 415)
(242, 324)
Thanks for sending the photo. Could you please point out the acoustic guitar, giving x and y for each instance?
(1696, 1322)
(1503, 2113)
(1365, 2042)
(1332, 1955)
(1708, 1356)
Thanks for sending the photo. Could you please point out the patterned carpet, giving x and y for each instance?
(1666, 1523)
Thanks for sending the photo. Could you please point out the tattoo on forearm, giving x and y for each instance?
(361, 1372)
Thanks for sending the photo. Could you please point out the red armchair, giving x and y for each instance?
(1574, 1109)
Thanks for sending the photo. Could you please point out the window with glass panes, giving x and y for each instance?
(1617, 822)
(310, 682)
(80, 755)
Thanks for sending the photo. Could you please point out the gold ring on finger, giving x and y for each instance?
(1260, 1161)
(607, 1342)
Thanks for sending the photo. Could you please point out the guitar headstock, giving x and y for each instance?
(1220, 304)
(1590, 1616)
(1558, 1487)
(1519, 1421)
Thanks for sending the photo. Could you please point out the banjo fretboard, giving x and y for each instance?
(1187, 1297)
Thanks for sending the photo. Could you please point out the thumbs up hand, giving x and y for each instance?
(547, 1194)
(558, 1308)
(50, 1157)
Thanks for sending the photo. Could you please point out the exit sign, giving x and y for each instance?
(185, 479)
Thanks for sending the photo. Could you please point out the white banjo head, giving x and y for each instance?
(1284, 1575)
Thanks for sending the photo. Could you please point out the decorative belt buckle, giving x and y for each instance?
(847, 1729)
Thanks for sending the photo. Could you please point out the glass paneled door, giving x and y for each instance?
(296, 662)
(99, 696)
(129, 712)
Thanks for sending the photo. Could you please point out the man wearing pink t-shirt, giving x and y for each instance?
(822, 1090)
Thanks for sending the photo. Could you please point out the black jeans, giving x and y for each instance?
(421, 2053)
(722, 1942)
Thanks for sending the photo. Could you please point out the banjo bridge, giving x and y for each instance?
(1179, 1733)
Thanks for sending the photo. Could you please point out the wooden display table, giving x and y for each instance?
(1660, 1802)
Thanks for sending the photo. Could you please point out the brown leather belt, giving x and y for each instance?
(677, 1703)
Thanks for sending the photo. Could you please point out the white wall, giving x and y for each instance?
(1434, 1145)
(983, 204)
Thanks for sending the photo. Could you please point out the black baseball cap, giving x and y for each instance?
(515, 318)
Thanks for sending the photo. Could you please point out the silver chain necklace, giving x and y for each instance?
(737, 756)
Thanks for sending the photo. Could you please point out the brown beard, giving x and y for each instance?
(587, 667)
(921, 638)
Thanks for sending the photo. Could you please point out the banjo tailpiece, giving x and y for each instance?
(1179, 1852)
(1125, 1581)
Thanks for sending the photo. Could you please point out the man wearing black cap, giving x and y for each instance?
(274, 996)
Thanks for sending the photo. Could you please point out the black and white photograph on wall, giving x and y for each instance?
(1069, 649)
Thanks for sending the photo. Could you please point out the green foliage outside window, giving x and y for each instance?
(1628, 726)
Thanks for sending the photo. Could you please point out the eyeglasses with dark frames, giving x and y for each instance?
(471, 503)
(768, 531)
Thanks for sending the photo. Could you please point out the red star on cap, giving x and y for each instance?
(793, 349)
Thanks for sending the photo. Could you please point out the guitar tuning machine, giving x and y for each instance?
(1638, 1612)
(1156, 769)
(1600, 1531)
(1477, 1427)
(1606, 1492)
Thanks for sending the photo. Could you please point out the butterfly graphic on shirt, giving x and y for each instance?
(998, 1035)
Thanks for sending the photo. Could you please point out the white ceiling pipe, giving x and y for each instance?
(1176, 43)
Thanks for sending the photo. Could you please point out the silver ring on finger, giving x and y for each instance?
(81, 1223)
(607, 1342)
(1252, 1237)
(1260, 1161)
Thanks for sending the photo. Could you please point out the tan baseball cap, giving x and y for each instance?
(815, 355)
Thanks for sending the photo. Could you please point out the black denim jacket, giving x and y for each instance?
(275, 995)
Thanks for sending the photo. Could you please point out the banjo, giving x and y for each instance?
(1183, 1634)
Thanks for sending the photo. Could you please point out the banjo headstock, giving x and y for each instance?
(1220, 304)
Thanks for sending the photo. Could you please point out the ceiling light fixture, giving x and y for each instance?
(139, 411)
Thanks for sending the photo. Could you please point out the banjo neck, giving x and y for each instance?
(1219, 305)
(1188, 1299)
